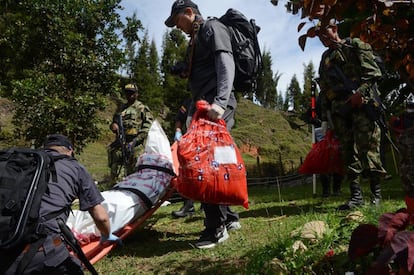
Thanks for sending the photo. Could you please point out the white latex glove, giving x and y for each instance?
(324, 127)
(215, 112)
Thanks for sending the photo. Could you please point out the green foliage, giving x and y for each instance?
(266, 87)
(45, 106)
(57, 61)
(175, 89)
(303, 101)
(146, 75)
(293, 93)
(130, 34)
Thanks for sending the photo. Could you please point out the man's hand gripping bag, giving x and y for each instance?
(211, 167)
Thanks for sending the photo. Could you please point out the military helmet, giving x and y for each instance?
(131, 88)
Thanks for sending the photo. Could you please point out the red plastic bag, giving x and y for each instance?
(324, 157)
(211, 167)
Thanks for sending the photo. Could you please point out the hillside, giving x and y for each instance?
(266, 139)
(269, 134)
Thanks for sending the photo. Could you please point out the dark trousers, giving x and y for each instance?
(217, 215)
(70, 266)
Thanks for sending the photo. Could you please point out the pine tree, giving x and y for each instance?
(174, 87)
(293, 93)
(147, 76)
(266, 89)
(130, 34)
(303, 100)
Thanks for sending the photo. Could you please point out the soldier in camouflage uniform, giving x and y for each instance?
(348, 74)
(136, 121)
(403, 126)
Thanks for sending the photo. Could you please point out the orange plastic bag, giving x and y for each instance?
(324, 157)
(211, 167)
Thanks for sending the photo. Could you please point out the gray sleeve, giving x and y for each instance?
(225, 70)
(89, 194)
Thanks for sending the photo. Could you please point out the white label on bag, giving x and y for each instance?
(225, 154)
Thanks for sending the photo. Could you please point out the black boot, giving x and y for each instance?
(356, 196)
(375, 187)
(187, 209)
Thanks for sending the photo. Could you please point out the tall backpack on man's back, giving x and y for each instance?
(246, 50)
(24, 176)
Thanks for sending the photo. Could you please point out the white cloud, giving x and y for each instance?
(278, 33)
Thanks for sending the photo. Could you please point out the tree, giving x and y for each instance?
(130, 33)
(388, 25)
(303, 102)
(174, 87)
(147, 74)
(293, 93)
(266, 87)
(57, 61)
(280, 102)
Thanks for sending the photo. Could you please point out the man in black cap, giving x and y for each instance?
(211, 72)
(73, 181)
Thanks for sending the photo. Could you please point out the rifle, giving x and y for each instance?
(122, 141)
(375, 110)
(74, 244)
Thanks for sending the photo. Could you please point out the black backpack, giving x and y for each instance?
(24, 176)
(246, 50)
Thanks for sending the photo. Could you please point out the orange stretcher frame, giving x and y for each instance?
(95, 252)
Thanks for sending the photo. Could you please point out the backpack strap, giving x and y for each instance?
(35, 246)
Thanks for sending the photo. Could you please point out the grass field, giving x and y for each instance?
(264, 243)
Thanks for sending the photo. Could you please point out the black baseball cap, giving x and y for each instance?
(58, 140)
(177, 7)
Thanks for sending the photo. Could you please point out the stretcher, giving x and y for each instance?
(95, 251)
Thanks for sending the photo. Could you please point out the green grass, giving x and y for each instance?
(264, 244)
(165, 245)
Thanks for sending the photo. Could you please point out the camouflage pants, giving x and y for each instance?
(406, 147)
(116, 161)
(360, 140)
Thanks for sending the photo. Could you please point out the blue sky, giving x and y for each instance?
(278, 33)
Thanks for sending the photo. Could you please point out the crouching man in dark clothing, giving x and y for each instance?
(73, 182)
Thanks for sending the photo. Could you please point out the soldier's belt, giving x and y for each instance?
(131, 132)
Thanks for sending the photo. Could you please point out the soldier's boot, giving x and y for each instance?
(185, 210)
(356, 196)
(375, 187)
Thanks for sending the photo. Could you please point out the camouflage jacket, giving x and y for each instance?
(350, 67)
(136, 120)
